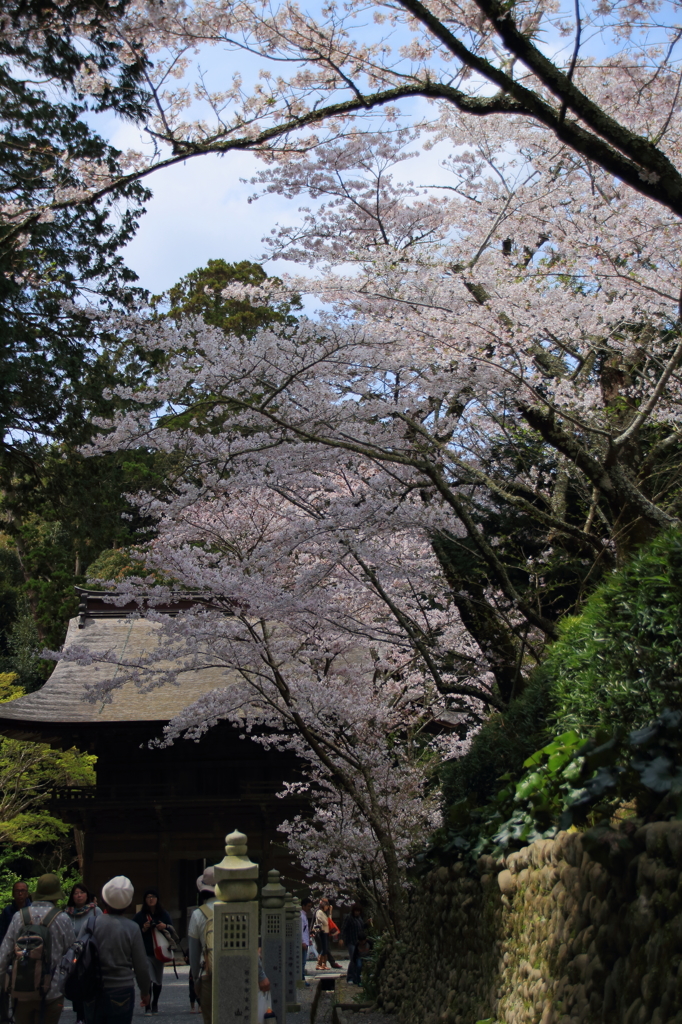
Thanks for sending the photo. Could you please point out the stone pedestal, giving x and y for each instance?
(291, 939)
(273, 929)
(298, 969)
(235, 936)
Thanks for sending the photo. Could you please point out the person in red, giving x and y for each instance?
(153, 917)
(334, 935)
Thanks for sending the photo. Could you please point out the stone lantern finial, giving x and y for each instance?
(235, 872)
(273, 894)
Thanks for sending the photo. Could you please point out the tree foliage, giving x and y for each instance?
(480, 426)
(28, 774)
(615, 108)
(614, 668)
(432, 472)
(205, 293)
(53, 361)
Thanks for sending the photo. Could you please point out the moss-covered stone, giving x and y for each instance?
(552, 935)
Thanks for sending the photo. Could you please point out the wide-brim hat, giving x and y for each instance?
(48, 888)
(206, 882)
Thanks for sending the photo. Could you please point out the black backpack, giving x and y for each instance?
(79, 975)
(32, 962)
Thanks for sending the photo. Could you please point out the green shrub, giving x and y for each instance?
(501, 746)
(616, 665)
(571, 781)
(620, 661)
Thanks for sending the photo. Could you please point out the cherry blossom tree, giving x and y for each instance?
(384, 511)
(498, 374)
(314, 664)
(600, 78)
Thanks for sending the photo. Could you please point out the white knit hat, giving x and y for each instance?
(118, 892)
(206, 882)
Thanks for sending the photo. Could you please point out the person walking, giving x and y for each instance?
(322, 934)
(81, 908)
(334, 934)
(196, 934)
(20, 899)
(153, 918)
(306, 906)
(122, 958)
(199, 954)
(353, 928)
(47, 895)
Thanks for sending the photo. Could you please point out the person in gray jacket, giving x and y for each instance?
(122, 958)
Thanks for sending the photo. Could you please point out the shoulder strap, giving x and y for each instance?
(26, 915)
(206, 911)
(50, 916)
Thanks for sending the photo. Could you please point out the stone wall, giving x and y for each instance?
(554, 934)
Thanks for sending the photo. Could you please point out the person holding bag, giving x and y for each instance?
(81, 908)
(321, 934)
(157, 934)
(200, 956)
(334, 936)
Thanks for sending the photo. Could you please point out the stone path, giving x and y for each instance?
(174, 1003)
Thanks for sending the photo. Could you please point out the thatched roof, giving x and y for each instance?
(61, 699)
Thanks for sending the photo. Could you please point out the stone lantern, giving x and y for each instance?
(273, 929)
(291, 961)
(235, 936)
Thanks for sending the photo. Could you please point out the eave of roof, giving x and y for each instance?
(63, 698)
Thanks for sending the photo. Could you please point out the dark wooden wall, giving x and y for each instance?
(158, 815)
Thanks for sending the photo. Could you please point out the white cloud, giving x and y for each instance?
(199, 211)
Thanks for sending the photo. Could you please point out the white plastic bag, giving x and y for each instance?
(263, 1005)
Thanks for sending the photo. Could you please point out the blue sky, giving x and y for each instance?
(199, 210)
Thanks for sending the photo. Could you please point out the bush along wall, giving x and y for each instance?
(582, 928)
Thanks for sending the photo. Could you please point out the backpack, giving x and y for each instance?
(208, 940)
(79, 975)
(32, 963)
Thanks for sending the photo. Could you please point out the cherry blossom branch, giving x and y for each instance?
(649, 406)
(421, 645)
(611, 482)
(469, 469)
(495, 565)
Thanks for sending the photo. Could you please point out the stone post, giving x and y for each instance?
(235, 936)
(273, 926)
(298, 969)
(291, 937)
